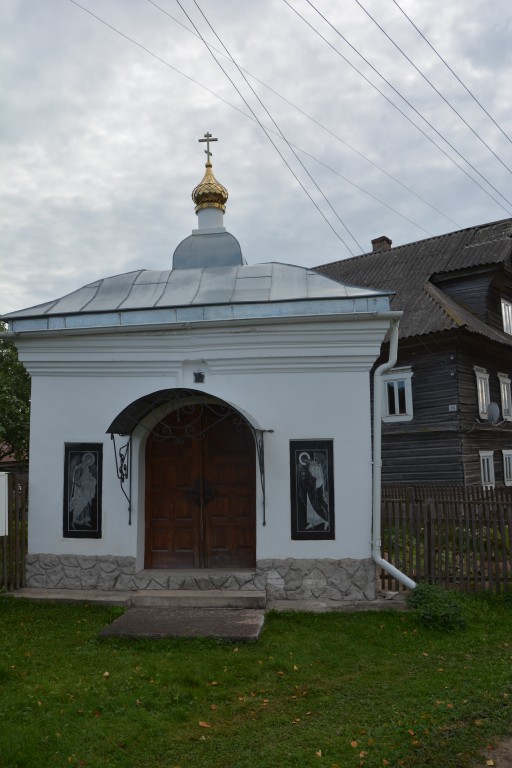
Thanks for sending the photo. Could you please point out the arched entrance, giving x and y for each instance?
(200, 498)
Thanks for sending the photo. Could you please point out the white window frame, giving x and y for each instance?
(487, 469)
(482, 388)
(507, 466)
(506, 314)
(394, 378)
(506, 396)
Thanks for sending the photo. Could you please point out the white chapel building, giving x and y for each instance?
(203, 426)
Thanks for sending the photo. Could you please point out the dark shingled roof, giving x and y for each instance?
(408, 269)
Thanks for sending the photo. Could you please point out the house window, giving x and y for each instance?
(482, 385)
(506, 396)
(506, 313)
(487, 468)
(507, 467)
(397, 395)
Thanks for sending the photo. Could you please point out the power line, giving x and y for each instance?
(244, 114)
(408, 104)
(418, 30)
(446, 101)
(249, 117)
(267, 133)
(324, 128)
(395, 106)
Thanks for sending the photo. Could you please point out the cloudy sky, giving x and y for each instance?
(100, 123)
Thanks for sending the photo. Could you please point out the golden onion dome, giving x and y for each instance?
(209, 193)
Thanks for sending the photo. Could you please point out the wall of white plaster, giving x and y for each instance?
(306, 380)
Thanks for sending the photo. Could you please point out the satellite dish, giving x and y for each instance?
(493, 413)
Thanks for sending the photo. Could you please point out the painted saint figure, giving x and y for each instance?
(83, 491)
(312, 494)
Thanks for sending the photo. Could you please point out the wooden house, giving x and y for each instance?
(447, 406)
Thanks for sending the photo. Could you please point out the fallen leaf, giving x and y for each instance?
(319, 753)
(353, 744)
(106, 674)
(204, 725)
(490, 762)
(411, 731)
(213, 707)
(295, 668)
(479, 723)
(280, 673)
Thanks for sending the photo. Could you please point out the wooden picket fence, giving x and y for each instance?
(13, 547)
(451, 536)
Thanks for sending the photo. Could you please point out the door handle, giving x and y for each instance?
(194, 493)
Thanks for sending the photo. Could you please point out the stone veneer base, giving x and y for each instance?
(283, 579)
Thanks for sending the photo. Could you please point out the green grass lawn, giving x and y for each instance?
(362, 689)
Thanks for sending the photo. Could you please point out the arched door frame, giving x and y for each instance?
(129, 432)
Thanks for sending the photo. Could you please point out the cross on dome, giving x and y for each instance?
(207, 138)
(209, 193)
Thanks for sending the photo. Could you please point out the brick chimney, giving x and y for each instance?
(381, 243)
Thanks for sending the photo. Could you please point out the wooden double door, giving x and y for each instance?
(201, 491)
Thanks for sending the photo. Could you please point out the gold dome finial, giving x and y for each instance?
(209, 193)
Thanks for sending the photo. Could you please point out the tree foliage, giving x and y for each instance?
(14, 403)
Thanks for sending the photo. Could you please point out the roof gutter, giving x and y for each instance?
(377, 461)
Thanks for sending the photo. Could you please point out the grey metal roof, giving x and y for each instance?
(207, 249)
(408, 270)
(210, 293)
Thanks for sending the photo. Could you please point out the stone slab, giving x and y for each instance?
(98, 597)
(385, 601)
(227, 624)
(397, 603)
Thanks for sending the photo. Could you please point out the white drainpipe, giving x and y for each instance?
(377, 461)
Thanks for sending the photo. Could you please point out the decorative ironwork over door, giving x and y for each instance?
(201, 490)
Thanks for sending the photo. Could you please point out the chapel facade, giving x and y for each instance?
(207, 425)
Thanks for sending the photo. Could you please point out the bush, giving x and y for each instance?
(437, 607)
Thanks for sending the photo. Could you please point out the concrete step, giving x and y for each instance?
(226, 623)
(43, 594)
(196, 578)
(199, 598)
